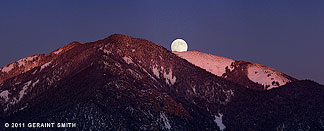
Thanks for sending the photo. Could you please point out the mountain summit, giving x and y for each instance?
(126, 83)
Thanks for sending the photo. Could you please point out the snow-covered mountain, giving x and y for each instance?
(235, 70)
(211, 63)
(125, 83)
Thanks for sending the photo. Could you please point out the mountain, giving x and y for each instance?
(25, 64)
(126, 83)
(250, 75)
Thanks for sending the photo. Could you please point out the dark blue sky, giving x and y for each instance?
(287, 35)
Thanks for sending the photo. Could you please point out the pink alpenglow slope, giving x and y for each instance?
(240, 72)
(211, 63)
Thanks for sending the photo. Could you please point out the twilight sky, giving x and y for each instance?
(287, 35)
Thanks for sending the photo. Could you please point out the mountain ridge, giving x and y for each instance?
(248, 74)
(125, 83)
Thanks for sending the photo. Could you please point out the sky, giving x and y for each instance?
(285, 35)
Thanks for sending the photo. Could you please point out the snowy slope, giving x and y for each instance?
(211, 63)
(233, 70)
(26, 64)
(266, 76)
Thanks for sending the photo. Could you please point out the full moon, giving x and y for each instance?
(179, 45)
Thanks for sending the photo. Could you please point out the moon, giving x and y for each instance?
(179, 45)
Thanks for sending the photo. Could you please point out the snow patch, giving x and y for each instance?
(45, 65)
(7, 68)
(58, 51)
(219, 121)
(17, 82)
(35, 83)
(228, 94)
(165, 120)
(24, 107)
(106, 51)
(22, 62)
(128, 60)
(4, 95)
(194, 90)
(23, 90)
(211, 63)
(266, 76)
(34, 72)
(156, 72)
(30, 58)
(169, 78)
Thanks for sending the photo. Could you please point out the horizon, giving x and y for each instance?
(283, 35)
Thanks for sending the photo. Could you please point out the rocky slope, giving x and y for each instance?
(25, 64)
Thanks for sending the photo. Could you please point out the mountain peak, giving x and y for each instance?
(119, 38)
